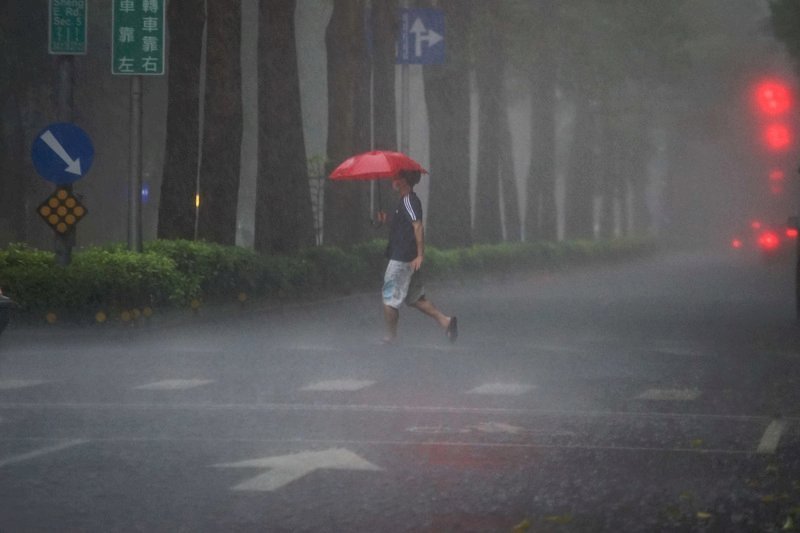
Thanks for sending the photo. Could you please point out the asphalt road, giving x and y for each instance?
(655, 395)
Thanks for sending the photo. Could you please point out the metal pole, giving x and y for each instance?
(135, 181)
(63, 244)
(368, 7)
(405, 86)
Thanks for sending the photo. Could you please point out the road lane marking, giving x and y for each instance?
(487, 428)
(680, 395)
(175, 384)
(339, 385)
(14, 384)
(41, 451)
(507, 389)
(284, 469)
(293, 441)
(772, 437)
(374, 408)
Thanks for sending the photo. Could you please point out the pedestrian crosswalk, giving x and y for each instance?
(355, 383)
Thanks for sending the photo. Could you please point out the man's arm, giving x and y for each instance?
(419, 236)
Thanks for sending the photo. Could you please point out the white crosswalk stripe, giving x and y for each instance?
(175, 384)
(12, 384)
(508, 389)
(683, 395)
(336, 385)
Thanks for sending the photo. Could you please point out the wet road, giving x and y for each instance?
(657, 395)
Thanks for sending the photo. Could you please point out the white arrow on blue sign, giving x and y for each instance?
(62, 153)
(421, 37)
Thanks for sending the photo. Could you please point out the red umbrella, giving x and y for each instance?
(375, 165)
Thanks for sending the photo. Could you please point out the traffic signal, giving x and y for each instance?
(773, 97)
(774, 100)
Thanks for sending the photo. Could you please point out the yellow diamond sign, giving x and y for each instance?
(61, 210)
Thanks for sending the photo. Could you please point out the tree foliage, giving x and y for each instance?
(786, 26)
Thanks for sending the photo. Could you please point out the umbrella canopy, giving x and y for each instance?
(374, 165)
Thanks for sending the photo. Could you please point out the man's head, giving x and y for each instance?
(410, 177)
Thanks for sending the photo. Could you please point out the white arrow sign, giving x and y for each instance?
(421, 33)
(73, 165)
(286, 468)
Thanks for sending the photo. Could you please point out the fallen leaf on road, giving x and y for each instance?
(703, 515)
(522, 526)
(559, 519)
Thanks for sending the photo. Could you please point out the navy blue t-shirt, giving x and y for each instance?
(402, 243)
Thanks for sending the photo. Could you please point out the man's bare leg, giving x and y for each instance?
(390, 315)
(429, 309)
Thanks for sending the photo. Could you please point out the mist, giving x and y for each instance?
(701, 169)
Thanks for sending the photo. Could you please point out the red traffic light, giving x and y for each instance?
(777, 137)
(773, 97)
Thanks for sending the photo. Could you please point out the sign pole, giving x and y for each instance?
(405, 86)
(137, 49)
(135, 181)
(64, 242)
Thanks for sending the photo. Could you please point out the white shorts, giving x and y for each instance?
(401, 284)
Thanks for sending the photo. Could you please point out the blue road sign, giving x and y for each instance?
(62, 153)
(421, 37)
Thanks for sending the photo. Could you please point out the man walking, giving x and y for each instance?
(402, 282)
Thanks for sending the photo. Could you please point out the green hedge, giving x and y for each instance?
(175, 274)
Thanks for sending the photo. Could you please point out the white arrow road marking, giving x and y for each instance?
(41, 451)
(771, 437)
(175, 384)
(286, 468)
(422, 33)
(73, 165)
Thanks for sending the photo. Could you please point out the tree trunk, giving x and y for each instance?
(346, 211)
(447, 95)
(13, 189)
(222, 126)
(578, 203)
(176, 208)
(508, 182)
(540, 212)
(284, 221)
(609, 177)
(383, 32)
(489, 72)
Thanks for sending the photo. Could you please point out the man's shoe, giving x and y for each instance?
(452, 329)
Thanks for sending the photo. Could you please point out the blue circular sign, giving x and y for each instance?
(62, 153)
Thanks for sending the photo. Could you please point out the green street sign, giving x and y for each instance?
(67, 27)
(138, 37)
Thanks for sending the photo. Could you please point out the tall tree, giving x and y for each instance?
(27, 72)
(284, 221)
(785, 18)
(532, 38)
(381, 38)
(580, 185)
(346, 203)
(447, 95)
(222, 123)
(176, 209)
(508, 181)
(489, 72)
